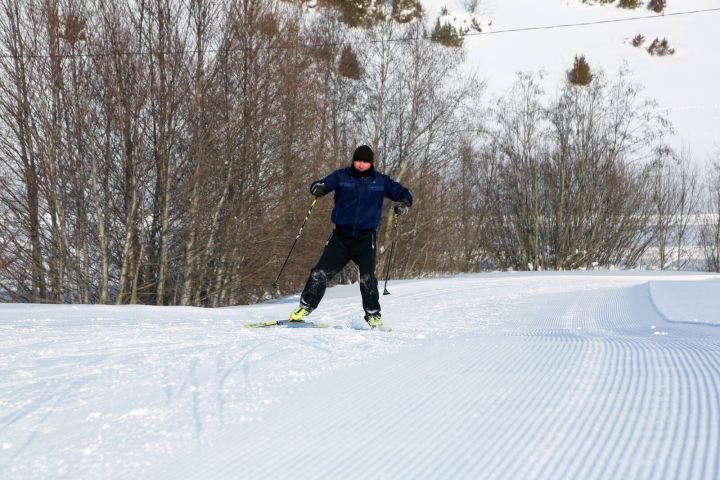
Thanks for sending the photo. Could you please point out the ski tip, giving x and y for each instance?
(271, 323)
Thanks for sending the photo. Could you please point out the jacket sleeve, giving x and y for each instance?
(396, 192)
(331, 181)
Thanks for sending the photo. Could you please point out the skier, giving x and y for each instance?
(359, 194)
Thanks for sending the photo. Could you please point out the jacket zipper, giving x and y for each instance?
(357, 207)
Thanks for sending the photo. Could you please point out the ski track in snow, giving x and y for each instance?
(484, 376)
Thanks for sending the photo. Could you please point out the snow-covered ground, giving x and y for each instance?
(501, 375)
(685, 83)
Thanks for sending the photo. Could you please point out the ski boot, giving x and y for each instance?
(299, 314)
(374, 320)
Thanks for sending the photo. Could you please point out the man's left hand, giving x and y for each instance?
(401, 207)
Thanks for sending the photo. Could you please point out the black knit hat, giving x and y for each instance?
(364, 153)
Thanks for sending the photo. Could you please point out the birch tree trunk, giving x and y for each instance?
(200, 13)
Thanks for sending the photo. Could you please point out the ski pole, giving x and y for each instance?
(390, 255)
(275, 283)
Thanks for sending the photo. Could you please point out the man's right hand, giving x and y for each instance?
(317, 189)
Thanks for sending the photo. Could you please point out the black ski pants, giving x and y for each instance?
(339, 250)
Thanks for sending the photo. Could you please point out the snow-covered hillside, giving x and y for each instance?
(684, 83)
(500, 375)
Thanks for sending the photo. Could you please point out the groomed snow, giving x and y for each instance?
(504, 375)
(697, 302)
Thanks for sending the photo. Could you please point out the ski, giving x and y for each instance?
(306, 324)
(287, 324)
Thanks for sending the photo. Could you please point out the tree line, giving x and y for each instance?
(160, 151)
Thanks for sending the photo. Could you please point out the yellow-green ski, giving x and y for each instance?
(287, 324)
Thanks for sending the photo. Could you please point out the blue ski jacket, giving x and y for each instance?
(359, 199)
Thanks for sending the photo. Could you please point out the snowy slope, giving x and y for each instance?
(688, 302)
(586, 375)
(685, 84)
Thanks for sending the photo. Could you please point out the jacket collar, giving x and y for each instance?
(357, 173)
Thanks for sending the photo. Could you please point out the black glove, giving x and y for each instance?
(402, 207)
(317, 189)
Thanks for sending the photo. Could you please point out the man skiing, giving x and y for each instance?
(359, 194)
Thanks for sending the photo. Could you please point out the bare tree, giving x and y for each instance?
(675, 197)
(571, 192)
(601, 132)
(520, 141)
(687, 207)
(710, 226)
(168, 80)
(22, 198)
